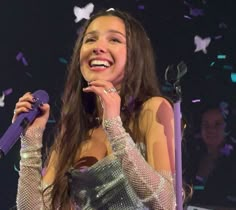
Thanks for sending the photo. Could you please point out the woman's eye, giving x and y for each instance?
(89, 40)
(115, 40)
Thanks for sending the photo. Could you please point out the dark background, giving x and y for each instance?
(44, 32)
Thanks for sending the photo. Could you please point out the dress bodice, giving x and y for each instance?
(103, 186)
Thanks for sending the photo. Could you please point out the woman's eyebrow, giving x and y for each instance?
(110, 31)
(118, 32)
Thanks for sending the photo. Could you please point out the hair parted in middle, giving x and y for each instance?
(79, 110)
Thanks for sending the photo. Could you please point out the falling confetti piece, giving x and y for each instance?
(233, 77)
(2, 103)
(51, 121)
(222, 25)
(187, 17)
(221, 57)
(198, 187)
(4, 93)
(83, 12)
(196, 12)
(226, 150)
(7, 91)
(218, 37)
(20, 57)
(28, 74)
(196, 100)
(201, 44)
(63, 60)
(141, 7)
(227, 67)
(24, 61)
(212, 63)
(16, 169)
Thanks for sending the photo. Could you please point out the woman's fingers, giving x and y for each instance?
(108, 96)
(100, 87)
(24, 104)
(19, 111)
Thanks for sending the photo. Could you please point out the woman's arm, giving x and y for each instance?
(30, 193)
(153, 182)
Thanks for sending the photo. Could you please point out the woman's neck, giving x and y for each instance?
(213, 152)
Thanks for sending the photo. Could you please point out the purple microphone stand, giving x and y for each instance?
(178, 155)
(175, 78)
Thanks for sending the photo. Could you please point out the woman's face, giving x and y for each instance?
(213, 128)
(103, 52)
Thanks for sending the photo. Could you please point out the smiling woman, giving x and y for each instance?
(211, 160)
(114, 148)
(103, 52)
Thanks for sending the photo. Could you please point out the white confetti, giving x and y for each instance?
(83, 12)
(201, 44)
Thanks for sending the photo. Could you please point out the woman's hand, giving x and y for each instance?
(24, 105)
(110, 99)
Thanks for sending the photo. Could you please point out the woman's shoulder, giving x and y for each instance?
(156, 109)
(156, 102)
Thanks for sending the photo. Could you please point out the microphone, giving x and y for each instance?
(13, 133)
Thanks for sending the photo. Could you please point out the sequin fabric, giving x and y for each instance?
(104, 187)
(123, 180)
(30, 187)
(154, 188)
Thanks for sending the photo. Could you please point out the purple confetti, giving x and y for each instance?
(196, 12)
(7, 91)
(226, 150)
(19, 56)
(218, 37)
(196, 100)
(141, 7)
(24, 61)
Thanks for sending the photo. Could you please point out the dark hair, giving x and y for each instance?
(79, 110)
(194, 147)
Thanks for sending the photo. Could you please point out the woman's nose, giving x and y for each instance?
(99, 46)
(98, 50)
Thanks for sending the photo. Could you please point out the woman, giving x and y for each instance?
(211, 159)
(114, 148)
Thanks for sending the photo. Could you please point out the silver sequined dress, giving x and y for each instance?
(103, 186)
(123, 180)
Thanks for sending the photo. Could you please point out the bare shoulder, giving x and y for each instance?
(157, 102)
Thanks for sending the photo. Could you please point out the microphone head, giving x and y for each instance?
(41, 95)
